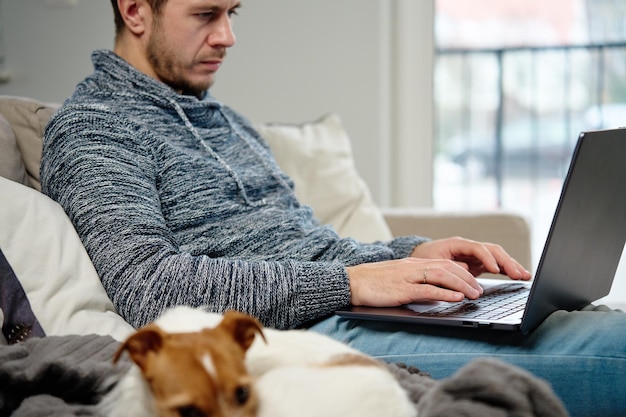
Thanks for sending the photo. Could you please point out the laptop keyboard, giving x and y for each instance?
(499, 301)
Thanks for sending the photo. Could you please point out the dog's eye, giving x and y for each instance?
(242, 394)
(190, 411)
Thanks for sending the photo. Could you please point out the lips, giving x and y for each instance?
(211, 65)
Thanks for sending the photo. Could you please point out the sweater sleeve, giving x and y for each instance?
(106, 182)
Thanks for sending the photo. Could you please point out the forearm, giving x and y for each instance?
(280, 294)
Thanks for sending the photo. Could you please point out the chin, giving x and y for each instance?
(192, 87)
(197, 91)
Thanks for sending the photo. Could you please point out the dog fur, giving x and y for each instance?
(306, 374)
(189, 374)
(345, 390)
(278, 347)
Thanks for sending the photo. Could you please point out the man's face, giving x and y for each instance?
(188, 42)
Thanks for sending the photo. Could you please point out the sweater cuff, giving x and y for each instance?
(404, 245)
(324, 288)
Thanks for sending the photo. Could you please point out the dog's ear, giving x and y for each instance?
(145, 340)
(242, 327)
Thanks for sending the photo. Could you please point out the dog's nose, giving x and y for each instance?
(190, 411)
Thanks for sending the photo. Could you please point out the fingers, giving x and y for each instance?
(402, 281)
(506, 263)
(446, 278)
(475, 257)
(435, 293)
(442, 270)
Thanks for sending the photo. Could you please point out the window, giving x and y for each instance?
(515, 82)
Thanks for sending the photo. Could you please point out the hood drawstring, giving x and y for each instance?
(234, 129)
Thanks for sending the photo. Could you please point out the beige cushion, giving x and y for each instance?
(53, 267)
(11, 163)
(317, 155)
(510, 230)
(28, 119)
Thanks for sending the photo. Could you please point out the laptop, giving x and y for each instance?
(578, 262)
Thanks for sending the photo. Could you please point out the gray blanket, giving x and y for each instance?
(57, 376)
(69, 375)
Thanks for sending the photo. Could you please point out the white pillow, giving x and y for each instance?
(318, 157)
(52, 266)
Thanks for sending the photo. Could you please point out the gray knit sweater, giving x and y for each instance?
(179, 201)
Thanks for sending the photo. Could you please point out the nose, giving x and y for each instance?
(223, 35)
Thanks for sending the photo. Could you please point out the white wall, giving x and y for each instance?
(47, 48)
(294, 61)
(370, 61)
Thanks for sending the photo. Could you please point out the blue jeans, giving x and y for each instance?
(581, 353)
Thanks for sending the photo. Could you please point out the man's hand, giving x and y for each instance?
(475, 257)
(442, 270)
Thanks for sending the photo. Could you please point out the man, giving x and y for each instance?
(179, 201)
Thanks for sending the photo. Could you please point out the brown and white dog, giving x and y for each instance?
(191, 374)
(277, 348)
(289, 373)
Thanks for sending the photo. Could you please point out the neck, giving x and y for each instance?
(133, 51)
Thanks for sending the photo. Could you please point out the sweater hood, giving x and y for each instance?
(125, 82)
(128, 78)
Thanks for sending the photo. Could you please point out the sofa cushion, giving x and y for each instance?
(52, 266)
(11, 163)
(28, 119)
(317, 155)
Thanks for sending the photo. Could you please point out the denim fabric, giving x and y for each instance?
(582, 354)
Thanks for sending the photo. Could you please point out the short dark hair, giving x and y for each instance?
(155, 5)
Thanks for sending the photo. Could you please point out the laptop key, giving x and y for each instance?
(498, 302)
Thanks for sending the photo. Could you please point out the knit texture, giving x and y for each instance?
(179, 201)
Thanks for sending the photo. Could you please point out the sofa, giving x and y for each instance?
(53, 274)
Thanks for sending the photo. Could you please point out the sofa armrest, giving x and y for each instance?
(510, 230)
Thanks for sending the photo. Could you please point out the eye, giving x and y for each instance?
(242, 394)
(205, 16)
(190, 411)
(234, 11)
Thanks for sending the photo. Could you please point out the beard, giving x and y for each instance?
(171, 70)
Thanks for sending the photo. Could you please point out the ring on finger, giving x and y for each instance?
(425, 276)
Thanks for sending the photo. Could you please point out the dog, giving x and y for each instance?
(199, 373)
(306, 374)
(277, 348)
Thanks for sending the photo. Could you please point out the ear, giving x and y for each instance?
(137, 15)
(242, 327)
(140, 344)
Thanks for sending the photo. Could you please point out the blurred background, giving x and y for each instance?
(452, 104)
(515, 83)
